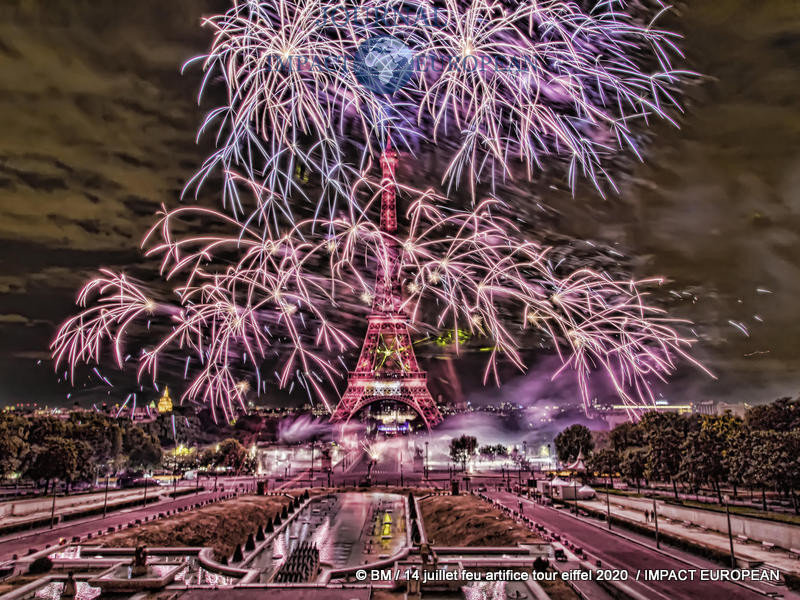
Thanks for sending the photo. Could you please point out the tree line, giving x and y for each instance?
(87, 445)
(760, 452)
(79, 448)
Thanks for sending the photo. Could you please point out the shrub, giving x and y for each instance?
(41, 565)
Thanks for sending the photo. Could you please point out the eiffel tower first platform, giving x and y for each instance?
(387, 368)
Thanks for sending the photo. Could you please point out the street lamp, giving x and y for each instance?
(105, 498)
(575, 492)
(196, 470)
(53, 509)
(608, 502)
(727, 498)
(655, 520)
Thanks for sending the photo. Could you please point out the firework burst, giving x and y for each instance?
(272, 288)
(244, 300)
(506, 83)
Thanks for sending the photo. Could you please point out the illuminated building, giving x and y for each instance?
(165, 402)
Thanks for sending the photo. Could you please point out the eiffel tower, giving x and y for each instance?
(387, 368)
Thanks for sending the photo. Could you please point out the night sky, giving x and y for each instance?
(97, 130)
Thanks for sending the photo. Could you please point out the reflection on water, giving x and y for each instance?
(194, 574)
(52, 591)
(348, 529)
(154, 571)
(495, 590)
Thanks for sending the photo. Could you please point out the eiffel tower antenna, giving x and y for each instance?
(387, 368)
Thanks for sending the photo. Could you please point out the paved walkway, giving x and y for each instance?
(620, 549)
(92, 501)
(785, 561)
(41, 538)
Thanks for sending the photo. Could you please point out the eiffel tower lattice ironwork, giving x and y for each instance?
(387, 368)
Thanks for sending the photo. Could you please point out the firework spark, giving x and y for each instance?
(272, 288)
(507, 83)
(462, 271)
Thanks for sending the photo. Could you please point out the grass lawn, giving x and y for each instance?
(220, 526)
(469, 521)
(745, 511)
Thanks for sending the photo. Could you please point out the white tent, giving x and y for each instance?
(585, 492)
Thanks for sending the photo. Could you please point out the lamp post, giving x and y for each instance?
(312, 462)
(575, 492)
(197, 469)
(426, 459)
(727, 498)
(655, 520)
(53, 508)
(105, 498)
(608, 503)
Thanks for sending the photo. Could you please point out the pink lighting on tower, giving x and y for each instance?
(387, 367)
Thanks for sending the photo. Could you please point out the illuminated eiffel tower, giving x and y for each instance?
(387, 368)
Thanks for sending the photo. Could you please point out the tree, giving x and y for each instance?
(781, 415)
(626, 435)
(493, 450)
(173, 429)
(664, 434)
(56, 458)
(704, 449)
(760, 472)
(486, 451)
(43, 427)
(605, 462)
(104, 438)
(462, 448)
(573, 440)
(230, 454)
(695, 467)
(632, 464)
(737, 457)
(13, 444)
(142, 449)
(207, 457)
(786, 464)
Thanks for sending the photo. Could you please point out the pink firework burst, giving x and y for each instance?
(247, 294)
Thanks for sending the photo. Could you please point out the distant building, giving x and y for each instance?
(738, 409)
(165, 402)
(616, 414)
(707, 407)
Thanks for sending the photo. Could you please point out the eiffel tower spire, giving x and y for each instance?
(387, 367)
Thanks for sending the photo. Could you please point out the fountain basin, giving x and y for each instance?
(118, 579)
